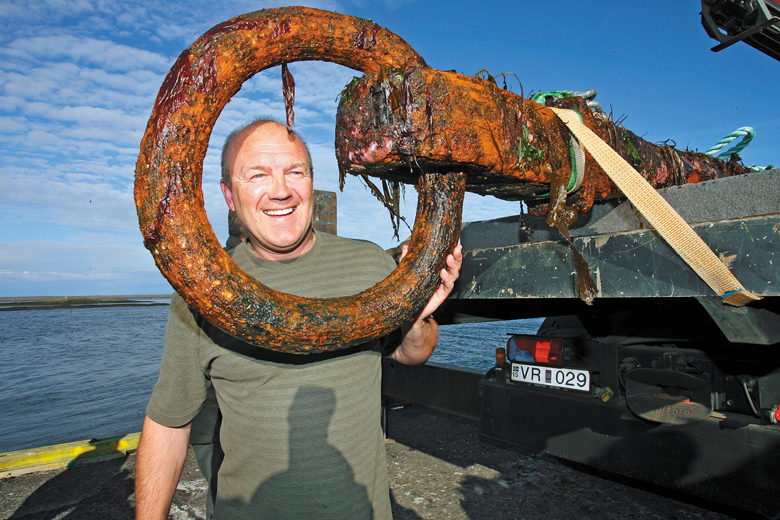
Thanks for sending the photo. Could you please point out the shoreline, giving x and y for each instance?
(83, 297)
(27, 303)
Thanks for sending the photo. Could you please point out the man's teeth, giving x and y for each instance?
(279, 211)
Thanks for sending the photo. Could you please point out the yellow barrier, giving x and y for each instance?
(71, 454)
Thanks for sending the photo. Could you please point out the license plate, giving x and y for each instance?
(550, 376)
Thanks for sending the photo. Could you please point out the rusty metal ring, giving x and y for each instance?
(169, 198)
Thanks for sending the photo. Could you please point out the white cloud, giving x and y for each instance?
(9, 125)
(91, 268)
(75, 202)
(78, 79)
(107, 55)
(27, 10)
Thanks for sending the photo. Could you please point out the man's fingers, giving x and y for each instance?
(404, 250)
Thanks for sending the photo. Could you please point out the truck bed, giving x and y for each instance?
(684, 390)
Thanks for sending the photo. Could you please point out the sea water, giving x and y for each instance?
(72, 374)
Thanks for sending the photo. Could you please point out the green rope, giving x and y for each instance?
(575, 152)
(761, 168)
(577, 157)
(541, 97)
(747, 133)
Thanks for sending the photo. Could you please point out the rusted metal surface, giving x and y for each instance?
(169, 198)
(402, 122)
(394, 120)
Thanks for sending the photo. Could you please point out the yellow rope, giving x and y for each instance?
(669, 224)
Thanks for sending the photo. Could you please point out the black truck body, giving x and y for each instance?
(675, 388)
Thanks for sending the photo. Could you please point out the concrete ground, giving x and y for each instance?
(438, 470)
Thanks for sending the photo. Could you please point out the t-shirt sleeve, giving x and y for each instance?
(387, 262)
(181, 388)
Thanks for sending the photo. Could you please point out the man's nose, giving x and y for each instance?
(280, 187)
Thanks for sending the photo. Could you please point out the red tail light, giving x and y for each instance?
(500, 357)
(535, 349)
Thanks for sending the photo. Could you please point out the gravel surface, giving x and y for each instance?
(439, 469)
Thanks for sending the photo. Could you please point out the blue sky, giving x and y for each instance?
(78, 79)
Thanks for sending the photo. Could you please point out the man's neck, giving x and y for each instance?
(273, 256)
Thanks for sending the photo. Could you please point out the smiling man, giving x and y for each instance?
(301, 435)
(269, 184)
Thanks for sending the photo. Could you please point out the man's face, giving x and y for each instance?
(271, 191)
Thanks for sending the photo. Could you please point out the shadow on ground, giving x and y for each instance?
(96, 490)
(439, 469)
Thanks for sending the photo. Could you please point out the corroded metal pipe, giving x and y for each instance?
(169, 198)
(508, 146)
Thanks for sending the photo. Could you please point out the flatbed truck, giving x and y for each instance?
(657, 380)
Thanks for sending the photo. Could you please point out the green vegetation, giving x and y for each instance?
(66, 302)
(525, 151)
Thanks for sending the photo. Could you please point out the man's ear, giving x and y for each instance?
(227, 194)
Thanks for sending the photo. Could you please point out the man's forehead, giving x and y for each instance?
(271, 145)
(268, 134)
(265, 139)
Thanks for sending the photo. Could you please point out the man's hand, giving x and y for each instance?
(448, 277)
(420, 338)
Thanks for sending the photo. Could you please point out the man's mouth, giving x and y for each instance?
(277, 212)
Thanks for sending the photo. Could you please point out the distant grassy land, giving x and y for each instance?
(65, 302)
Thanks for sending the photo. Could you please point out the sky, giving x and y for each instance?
(78, 79)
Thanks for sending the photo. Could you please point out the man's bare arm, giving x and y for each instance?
(420, 338)
(158, 465)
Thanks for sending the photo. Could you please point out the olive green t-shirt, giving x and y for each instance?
(300, 440)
